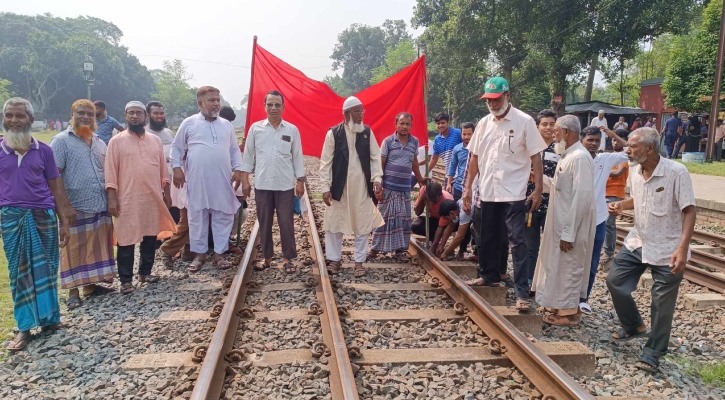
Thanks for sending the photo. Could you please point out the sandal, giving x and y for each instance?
(333, 267)
(648, 364)
(523, 304)
(359, 270)
(290, 268)
(97, 291)
(480, 282)
(560, 320)
(402, 257)
(168, 261)
(585, 308)
(195, 265)
(148, 278)
(187, 255)
(625, 336)
(18, 344)
(261, 266)
(127, 288)
(73, 302)
(222, 264)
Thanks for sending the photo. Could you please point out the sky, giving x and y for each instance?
(214, 38)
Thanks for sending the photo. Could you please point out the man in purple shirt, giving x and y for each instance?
(31, 191)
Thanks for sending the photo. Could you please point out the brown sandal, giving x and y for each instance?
(18, 344)
(359, 270)
(333, 267)
(560, 320)
(222, 264)
(148, 278)
(523, 304)
(168, 261)
(127, 288)
(195, 265)
(290, 268)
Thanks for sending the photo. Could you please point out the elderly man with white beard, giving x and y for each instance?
(351, 181)
(31, 191)
(505, 146)
(562, 272)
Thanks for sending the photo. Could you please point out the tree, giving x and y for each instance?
(173, 90)
(5, 92)
(338, 85)
(396, 58)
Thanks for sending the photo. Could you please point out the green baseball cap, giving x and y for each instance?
(495, 87)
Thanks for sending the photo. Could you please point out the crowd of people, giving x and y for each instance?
(539, 189)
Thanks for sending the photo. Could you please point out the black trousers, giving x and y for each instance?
(476, 238)
(418, 226)
(125, 259)
(493, 215)
(533, 241)
(457, 194)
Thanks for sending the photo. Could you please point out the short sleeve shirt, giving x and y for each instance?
(463, 218)
(106, 127)
(504, 148)
(433, 206)
(399, 159)
(443, 146)
(658, 205)
(24, 178)
(672, 124)
(83, 173)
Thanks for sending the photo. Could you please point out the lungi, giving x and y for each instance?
(396, 212)
(88, 257)
(30, 241)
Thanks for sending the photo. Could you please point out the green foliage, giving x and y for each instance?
(396, 58)
(691, 70)
(338, 85)
(43, 56)
(173, 90)
(711, 373)
(5, 92)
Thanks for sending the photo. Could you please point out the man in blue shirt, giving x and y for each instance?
(457, 165)
(106, 124)
(445, 141)
(671, 130)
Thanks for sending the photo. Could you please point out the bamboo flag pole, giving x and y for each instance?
(247, 121)
(427, 203)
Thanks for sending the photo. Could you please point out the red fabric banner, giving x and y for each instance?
(314, 108)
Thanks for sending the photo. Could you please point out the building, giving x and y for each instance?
(652, 98)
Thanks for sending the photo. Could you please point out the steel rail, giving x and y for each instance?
(713, 239)
(548, 377)
(210, 382)
(341, 376)
(694, 269)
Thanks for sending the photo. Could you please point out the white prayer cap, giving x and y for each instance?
(351, 102)
(601, 111)
(135, 103)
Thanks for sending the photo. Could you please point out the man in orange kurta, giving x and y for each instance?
(138, 186)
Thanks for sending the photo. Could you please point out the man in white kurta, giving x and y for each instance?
(212, 153)
(562, 271)
(349, 195)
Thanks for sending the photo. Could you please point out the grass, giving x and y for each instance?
(7, 322)
(710, 373)
(713, 168)
(45, 136)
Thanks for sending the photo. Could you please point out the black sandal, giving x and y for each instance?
(290, 268)
(624, 336)
(261, 266)
(648, 364)
(73, 302)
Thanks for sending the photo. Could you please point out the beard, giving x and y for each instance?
(357, 128)
(560, 147)
(136, 128)
(501, 111)
(18, 140)
(633, 162)
(83, 131)
(157, 126)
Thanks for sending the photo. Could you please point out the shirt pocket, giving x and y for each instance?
(284, 148)
(661, 198)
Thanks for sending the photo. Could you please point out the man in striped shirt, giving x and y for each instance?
(444, 143)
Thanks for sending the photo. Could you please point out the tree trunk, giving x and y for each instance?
(557, 84)
(621, 81)
(590, 79)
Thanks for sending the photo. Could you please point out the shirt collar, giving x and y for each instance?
(266, 122)
(71, 132)
(9, 150)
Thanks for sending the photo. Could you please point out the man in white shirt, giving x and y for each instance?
(157, 127)
(600, 121)
(620, 124)
(273, 153)
(591, 137)
(212, 153)
(664, 219)
(504, 147)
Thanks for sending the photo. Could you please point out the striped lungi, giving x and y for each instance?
(395, 234)
(30, 241)
(88, 256)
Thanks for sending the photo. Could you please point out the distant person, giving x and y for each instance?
(32, 199)
(621, 124)
(227, 113)
(719, 135)
(649, 122)
(444, 142)
(80, 155)
(459, 160)
(600, 121)
(58, 125)
(637, 123)
(664, 219)
(694, 134)
(671, 132)
(106, 123)
(157, 127)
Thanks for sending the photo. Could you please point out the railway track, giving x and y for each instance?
(358, 330)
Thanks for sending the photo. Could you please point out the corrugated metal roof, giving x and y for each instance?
(651, 82)
(595, 106)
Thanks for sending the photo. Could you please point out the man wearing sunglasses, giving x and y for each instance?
(273, 153)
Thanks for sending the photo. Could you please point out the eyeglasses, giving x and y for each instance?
(359, 112)
(134, 113)
(274, 105)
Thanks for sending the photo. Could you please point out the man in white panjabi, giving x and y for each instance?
(350, 174)
(212, 153)
(562, 271)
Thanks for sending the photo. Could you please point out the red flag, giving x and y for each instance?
(314, 108)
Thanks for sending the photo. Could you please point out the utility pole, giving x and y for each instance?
(715, 109)
(88, 73)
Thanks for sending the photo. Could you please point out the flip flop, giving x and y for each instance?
(98, 290)
(290, 268)
(17, 345)
(261, 266)
(222, 264)
(73, 302)
(402, 257)
(624, 336)
(52, 328)
(480, 282)
(195, 265)
(127, 288)
(585, 308)
(645, 366)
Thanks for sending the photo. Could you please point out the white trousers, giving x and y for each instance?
(221, 226)
(333, 247)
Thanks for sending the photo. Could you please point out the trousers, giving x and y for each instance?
(594, 267)
(610, 236)
(333, 247)
(181, 237)
(199, 230)
(125, 259)
(533, 242)
(281, 201)
(418, 226)
(622, 280)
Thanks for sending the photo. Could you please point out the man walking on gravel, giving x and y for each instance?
(504, 147)
(273, 153)
(31, 191)
(79, 155)
(350, 176)
(562, 270)
(664, 219)
(212, 153)
(139, 197)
